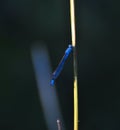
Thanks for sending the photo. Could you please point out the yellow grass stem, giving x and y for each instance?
(72, 17)
(73, 36)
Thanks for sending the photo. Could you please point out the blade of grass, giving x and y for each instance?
(73, 36)
(59, 125)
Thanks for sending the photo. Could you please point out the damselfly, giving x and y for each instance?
(60, 66)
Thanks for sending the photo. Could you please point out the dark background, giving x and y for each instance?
(23, 22)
